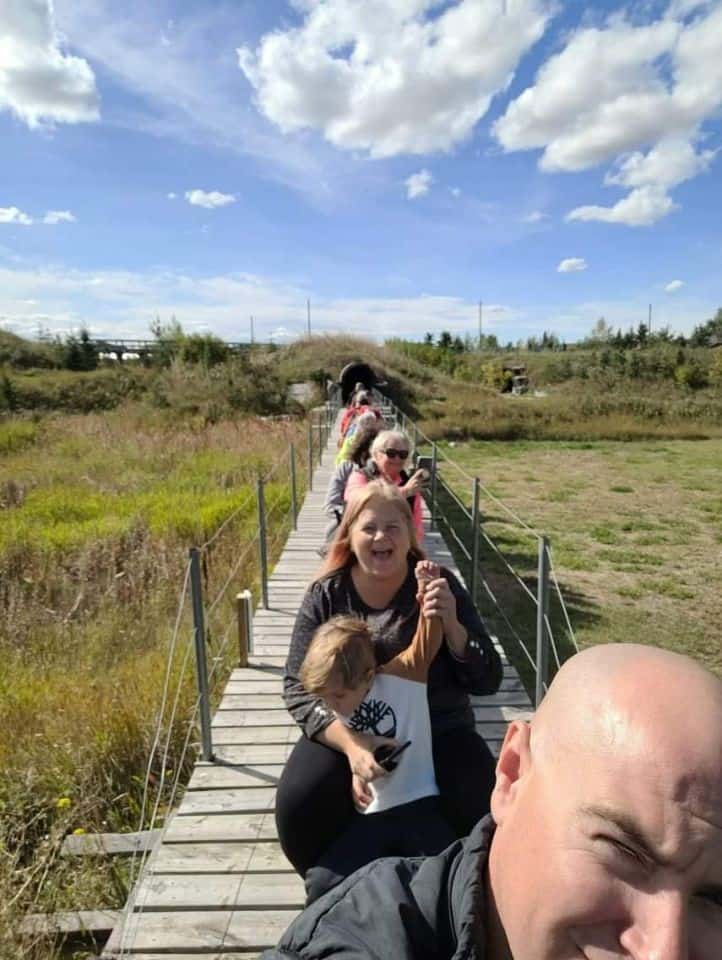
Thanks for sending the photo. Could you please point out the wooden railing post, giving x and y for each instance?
(244, 610)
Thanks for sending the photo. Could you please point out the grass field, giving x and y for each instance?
(635, 529)
(98, 513)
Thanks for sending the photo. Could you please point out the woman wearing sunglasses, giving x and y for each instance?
(390, 453)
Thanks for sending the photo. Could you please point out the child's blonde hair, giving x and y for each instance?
(342, 652)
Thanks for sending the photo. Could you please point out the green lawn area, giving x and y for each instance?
(636, 535)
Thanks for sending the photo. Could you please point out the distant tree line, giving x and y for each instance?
(78, 351)
(439, 351)
(606, 354)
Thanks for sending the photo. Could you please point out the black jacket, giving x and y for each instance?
(451, 680)
(419, 908)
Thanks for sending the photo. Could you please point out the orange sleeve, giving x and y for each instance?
(413, 663)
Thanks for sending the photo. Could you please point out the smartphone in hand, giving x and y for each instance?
(387, 756)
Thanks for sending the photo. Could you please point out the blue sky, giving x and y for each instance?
(395, 161)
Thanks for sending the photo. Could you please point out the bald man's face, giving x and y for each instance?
(609, 850)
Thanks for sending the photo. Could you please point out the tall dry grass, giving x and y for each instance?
(93, 556)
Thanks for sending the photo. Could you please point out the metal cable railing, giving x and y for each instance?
(279, 517)
(485, 559)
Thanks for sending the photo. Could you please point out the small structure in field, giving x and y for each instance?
(516, 380)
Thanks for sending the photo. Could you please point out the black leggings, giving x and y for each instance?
(413, 829)
(313, 803)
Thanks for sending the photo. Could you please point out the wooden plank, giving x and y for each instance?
(249, 800)
(254, 718)
(253, 753)
(100, 844)
(238, 777)
(255, 672)
(222, 827)
(247, 687)
(254, 701)
(197, 891)
(171, 858)
(198, 931)
(99, 922)
(256, 736)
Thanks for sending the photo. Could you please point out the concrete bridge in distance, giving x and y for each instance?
(120, 348)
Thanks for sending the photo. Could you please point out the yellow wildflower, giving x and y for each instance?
(78, 832)
(62, 803)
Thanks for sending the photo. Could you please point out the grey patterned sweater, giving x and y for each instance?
(451, 679)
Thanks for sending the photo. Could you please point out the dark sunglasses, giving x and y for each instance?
(401, 454)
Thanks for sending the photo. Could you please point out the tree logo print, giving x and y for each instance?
(374, 716)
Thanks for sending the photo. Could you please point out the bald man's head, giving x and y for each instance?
(613, 789)
(629, 697)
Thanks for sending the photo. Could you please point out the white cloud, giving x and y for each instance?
(189, 91)
(455, 191)
(59, 216)
(672, 161)
(640, 208)
(616, 91)
(61, 299)
(674, 286)
(209, 199)
(38, 81)
(14, 215)
(171, 196)
(536, 216)
(572, 265)
(418, 184)
(406, 76)
(64, 298)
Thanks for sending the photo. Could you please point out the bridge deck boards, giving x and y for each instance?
(218, 884)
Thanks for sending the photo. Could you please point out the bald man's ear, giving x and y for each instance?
(513, 764)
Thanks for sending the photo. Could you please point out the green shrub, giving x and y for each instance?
(204, 349)
(692, 375)
(715, 370)
(16, 435)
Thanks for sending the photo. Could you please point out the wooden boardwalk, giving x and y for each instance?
(218, 884)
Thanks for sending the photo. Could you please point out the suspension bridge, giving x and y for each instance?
(214, 882)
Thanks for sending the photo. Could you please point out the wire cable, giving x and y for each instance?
(229, 519)
(516, 636)
(230, 576)
(506, 563)
(572, 636)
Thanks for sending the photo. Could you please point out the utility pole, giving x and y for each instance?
(481, 312)
(649, 324)
(251, 331)
(308, 315)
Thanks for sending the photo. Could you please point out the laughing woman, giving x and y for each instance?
(369, 573)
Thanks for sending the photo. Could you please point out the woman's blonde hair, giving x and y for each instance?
(341, 652)
(383, 438)
(339, 553)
